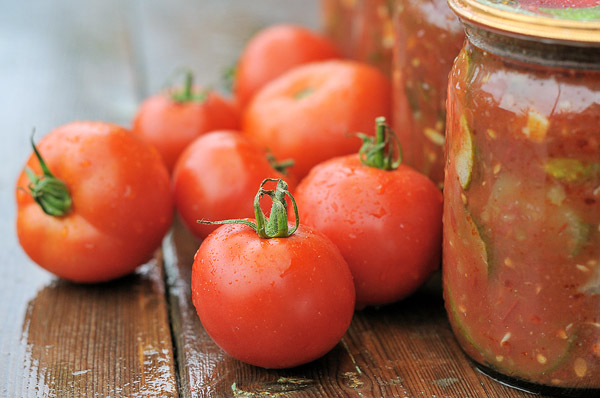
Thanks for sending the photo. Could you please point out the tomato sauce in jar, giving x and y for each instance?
(362, 29)
(428, 38)
(521, 266)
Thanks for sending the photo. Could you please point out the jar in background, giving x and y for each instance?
(362, 29)
(428, 37)
(521, 267)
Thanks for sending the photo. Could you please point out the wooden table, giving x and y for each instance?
(139, 336)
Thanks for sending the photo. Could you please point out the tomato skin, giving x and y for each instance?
(216, 179)
(275, 50)
(274, 303)
(387, 224)
(122, 206)
(342, 97)
(171, 126)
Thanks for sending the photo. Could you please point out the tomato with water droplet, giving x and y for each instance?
(391, 238)
(275, 301)
(95, 204)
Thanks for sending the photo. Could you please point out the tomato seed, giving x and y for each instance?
(541, 359)
(538, 289)
(580, 367)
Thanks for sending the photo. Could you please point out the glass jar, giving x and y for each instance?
(428, 38)
(521, 266)
(362, 29)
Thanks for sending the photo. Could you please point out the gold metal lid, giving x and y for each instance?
(562, 21)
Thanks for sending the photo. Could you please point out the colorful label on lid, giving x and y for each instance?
(574, 10)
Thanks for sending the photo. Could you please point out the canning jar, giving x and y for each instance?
(521, 262)
(428, 36)
(362, 29)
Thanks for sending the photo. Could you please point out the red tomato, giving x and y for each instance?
(171, 120)
(308, 113)
(272, 302)
(386, 223)
(275, 50)
(121, 203)
(216, 178)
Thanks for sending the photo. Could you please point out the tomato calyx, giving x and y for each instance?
(187, 94)
(51, 193)
(382, 151)
(281, 166)
(276, 225)
(305, 92)
(228, 78)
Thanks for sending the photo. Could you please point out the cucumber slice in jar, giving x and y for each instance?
(465, 238)
(508, 346)
(571, 229)
(572, 170)
(491, 344)
(474, 242)
(464, 153)
(520, 213)
(592, 286)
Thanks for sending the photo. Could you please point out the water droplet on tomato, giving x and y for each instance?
(379, 213)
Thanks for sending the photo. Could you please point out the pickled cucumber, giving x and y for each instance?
(464, 154)
(572, 170)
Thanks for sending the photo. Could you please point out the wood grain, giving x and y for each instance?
(405, 350)
(102, 340)
(139, 336)
(401, 350)
(62, 61)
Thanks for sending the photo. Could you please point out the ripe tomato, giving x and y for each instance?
(275, 50)
(272, 302)
(307, 113)
(386, 223)
(171, 120)
(120, 205)
(216, 178)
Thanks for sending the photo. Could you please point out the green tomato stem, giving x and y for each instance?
(276, 225)
(228, 78)
(382, 151)
(281, 165)
(303, 93)
(51, 193)
(380, 127)
(187, 87)
(187, 94)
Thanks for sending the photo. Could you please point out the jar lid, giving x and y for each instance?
(569, 21)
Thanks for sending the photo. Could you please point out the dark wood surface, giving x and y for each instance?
(139, 336)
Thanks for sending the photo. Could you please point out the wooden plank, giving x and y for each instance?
(102, 340)
(401, 350)
(62, 61)
(206, 37)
